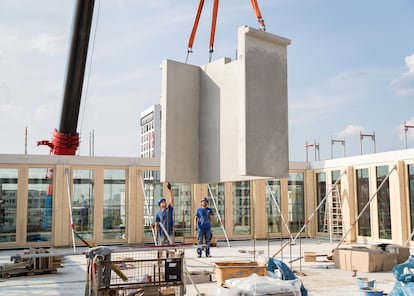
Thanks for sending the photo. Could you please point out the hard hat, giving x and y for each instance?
(160, 200)
(204, 199)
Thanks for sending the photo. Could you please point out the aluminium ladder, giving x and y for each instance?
(333, 222)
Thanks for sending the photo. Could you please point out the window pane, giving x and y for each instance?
(39, 204)
(8, 204)
(114, 204)
(296, 203)
(364, 222)
(321, 190)
(83, 202)
(152, 192)
(182, 209)
(273, 205)
(383, 197)
(218, 194)
(241, 207)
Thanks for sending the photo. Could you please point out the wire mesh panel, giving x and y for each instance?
(137, 272)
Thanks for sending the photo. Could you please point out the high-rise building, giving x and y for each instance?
(150, 121)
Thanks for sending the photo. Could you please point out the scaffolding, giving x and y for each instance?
(333, 141)
(372, 136)
(316, 149)
(406, 127)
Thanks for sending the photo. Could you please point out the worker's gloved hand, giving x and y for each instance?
(169, 186)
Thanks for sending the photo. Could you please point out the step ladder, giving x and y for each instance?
(333, 223)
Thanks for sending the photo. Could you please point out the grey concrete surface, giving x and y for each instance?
(319, 278)
(227, 120)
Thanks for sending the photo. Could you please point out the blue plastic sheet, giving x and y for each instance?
(278, 269)
(404, 273)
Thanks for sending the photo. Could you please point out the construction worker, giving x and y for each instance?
(202, 221)
(165, 216)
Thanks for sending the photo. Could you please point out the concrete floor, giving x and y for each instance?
(319, 278)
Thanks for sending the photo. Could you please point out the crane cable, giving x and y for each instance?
(85, 96)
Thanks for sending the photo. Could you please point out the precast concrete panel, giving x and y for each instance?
(227, 120)
(221, 93)
(264, 128)
(180, 122)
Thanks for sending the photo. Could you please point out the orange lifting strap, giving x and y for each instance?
(258, 14)
(214, 22)
(213, 27)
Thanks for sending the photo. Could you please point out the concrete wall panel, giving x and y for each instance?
(180, 122)
(266, 115)
(227, 120)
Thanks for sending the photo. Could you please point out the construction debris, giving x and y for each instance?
(33, 262)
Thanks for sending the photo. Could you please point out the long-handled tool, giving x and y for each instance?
(114, 267)
(310, 217)
(218, 216)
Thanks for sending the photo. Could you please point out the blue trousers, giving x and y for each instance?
(203, 235)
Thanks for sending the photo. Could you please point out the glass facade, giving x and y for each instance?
(182, 209)
(39, 204)
(182, 205)
(273, 206)
(335, 175)
(241, 208)
(362, 187)
(101, 194)
(152, 191)
(321, 194)
(114, 208)
(8, 204)
(217, 190)
(383, 197)
(83, 202)
(296, 201)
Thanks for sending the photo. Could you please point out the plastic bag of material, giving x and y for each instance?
(264, 285)
(404, 273)
(279, 270)
(228, 291)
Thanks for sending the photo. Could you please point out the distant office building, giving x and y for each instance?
(150, 121)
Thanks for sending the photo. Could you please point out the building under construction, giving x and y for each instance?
(366, 198)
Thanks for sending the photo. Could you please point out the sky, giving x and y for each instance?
(350, 69)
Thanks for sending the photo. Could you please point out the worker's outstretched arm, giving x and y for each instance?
(170, 192)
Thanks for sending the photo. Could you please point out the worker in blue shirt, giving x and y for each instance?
(202, 221)
(165, 216)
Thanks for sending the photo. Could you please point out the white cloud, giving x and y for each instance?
(404, 85)
(49, 44)
(350, 130)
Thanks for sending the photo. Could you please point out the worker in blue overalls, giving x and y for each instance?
(165, 216)
(202, 221)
